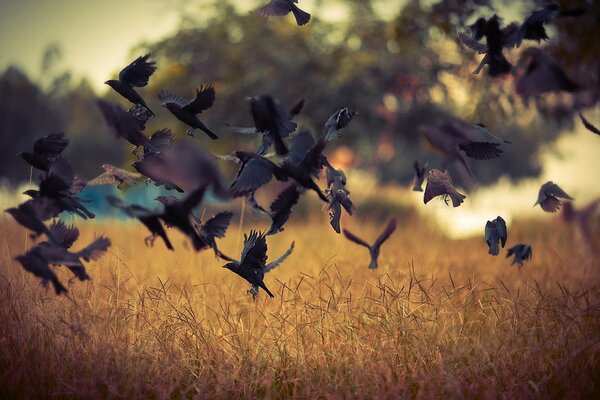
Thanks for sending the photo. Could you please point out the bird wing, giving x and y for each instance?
(205, 98)
(502, 230)
(138, 72)
(472, 43)
(554, 190)
(166, 97)
(254, 254)
(588, 125)
(62, 169)
(274, 8)
(51, 145)
(64, 235)
(161, 139)
(350, 236)
(285, 200)
(105, 178)
(252, 175)
(217, 225)
(275, 263)
(389, 229)
(94, 250)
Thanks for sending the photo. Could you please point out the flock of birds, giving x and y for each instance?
(186, 167)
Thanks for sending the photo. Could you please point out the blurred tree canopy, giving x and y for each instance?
(398, 71)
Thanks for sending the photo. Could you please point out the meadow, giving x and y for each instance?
(440, 318)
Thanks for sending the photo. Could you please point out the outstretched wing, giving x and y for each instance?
(205, 98)
(350, 236)
(166, 97)
(274, 8)
(138, 72)
(254, 254)
(95, 249)
(217, 225)
(64, 235)
(389, 229)
(554, 190)
(472, 43)
(252, 175)
(50, 146)
(277, 262)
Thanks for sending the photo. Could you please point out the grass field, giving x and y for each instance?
(438, 319)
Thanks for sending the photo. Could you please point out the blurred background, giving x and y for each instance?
(398, 63)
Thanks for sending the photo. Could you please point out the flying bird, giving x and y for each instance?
(495, 231)
(376, 247)
(543, 74)
(279, 8)
(253, 260)
(112, 175)
(271, 266)
(187, 112)
(588, 125)
(45, 151)
(135, 74)
(338, 196)
(549, 195)
(270, 116)
(34, 262)
(480, 144)
(281, 208)
(522, 252)
(30, 215)
(419, 176)
(440, 184)
(337, 121)
(214, 227)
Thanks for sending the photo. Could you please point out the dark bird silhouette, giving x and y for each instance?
(522, 252)
(279, 8)
(253, 260)
(419, 176)
(214, 227)
(135, 74)
(178, 215)
(122, 124)
(112, 175)
(440, 184)
(338, 196)
(305, 160)
(271, 266)
(141, 115)
(495, 231)
(542, 75)
(549, 195)
(533, 26)
(149, 218)
(34, 262)
(376, 247)
(187, 112)
(263, 106)
(480, 144)
(337, 121)
(588, 125)
(30, 215)
(281, 208)
(255, 171)
(45, 151)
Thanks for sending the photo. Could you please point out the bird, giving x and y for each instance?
(337, 121)
(45, 151)
(446, 136)
(281, 208)
(280, 8)
(440, 184)
(549, 195)
(271, 266)
(522, 252)
(150, 166)
(376, 247)
(268, 139)
(253, 260)
(214, 227)
(338, 196)
(588, 125)
(187, 112)
(34, 262)
(112, 175)
(542, 75)
(419, 176)
(270, 116)
(480, 144)
(136, 74)
(149, 218)
(255, 171)
(495, 231)
(29, 215)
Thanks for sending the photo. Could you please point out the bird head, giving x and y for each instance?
(31, 192)
(230, 266)
(112, 83)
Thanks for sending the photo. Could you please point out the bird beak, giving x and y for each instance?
(106, 82)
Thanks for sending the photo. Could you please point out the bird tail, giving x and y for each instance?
(210, 133)
(58, 287)
(457, 198)
(494, 249)
(302, 17)
(262, 285)
(373, 263)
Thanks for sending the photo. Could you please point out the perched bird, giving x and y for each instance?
(542, 75)
(135, 74)
(522, 252)
(495, 231)
(281, 208)
(279, 8)
(549, 195)
(304, 161)
(338, 196)
(186, 111)
(112, 175)
(419, 176)
(149, 218)
(376, 247)
(253, 260)
(337, 121)
(440, 184)
(533, 26)
(495, 43)
(214, 227)
(267, 137)
(588, 125)
(45, 151)
(122, 124)
(255, 171)
(270, 116)
(480, 144)
(34, 262)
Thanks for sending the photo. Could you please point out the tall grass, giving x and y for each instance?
(439, 318)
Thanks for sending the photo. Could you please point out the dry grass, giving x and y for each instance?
(439, 318)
